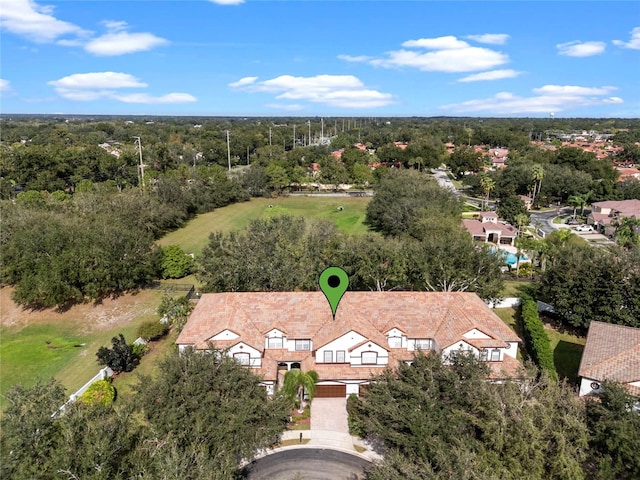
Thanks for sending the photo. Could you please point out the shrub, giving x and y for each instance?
(101, 392)
(120, 357)
(152, 329)
(176, 263)
(139, 349)
(355, 424)
(536, 338)
(177, 310)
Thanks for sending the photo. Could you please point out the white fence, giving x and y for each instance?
(103, 374)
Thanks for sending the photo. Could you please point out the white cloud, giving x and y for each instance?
(573, 90)
(490, 38)
(440, 43)
(344, 91)
(447, 54)
(227, 2)
(351, 58)
(117, 41)
(145, 98)
(5, 85)
(581, 49)
(243, 82)
(634, 41)
(98, 80)
(85, 87)
(549, 98)
(35, 22)
(468, 59)
(490, 75)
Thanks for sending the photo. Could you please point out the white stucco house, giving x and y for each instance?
(273, 332)
(612, 352)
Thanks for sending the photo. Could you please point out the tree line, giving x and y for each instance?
(411, 216)
(203, 414)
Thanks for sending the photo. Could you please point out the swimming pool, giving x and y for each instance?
(510, 258)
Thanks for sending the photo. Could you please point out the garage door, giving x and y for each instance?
(330, 391)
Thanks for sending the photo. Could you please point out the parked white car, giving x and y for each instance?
(584, 228)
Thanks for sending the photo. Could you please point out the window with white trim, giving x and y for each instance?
(484, 355)
(274, 342)
(423, 344)
(303, 344)
(495, 355)
(241, 358)
(395, 342)
(328, 356)
(369, 358)
(340, 356)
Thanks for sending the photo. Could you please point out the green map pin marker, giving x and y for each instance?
(333, 282)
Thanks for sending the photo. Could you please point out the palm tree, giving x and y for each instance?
(585, 199)
(575, 201)
(627, 231)
(537, 174)
(521, 220)
(296, 382)
(487, 183)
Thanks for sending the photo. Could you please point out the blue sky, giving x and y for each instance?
(321, 58)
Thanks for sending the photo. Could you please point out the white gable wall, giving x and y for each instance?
(224, 335)
(255, 356)
(475, 333)
(343, 343)
(356, 354)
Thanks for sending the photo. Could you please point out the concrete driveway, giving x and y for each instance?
(329, 414)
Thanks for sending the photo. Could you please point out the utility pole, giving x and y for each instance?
(141, 166)
(228, 151)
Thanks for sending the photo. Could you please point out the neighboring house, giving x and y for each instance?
(612, 352)
(273, 332)
(489, 229)
(604, 214)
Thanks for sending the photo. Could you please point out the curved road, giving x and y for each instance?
(307, 464)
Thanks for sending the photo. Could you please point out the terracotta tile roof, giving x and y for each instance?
(612, 352)
(442, 316)
(508, 368)
(625, 207)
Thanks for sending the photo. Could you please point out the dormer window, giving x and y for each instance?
(395, 342)
(274, 342)
(241, 358)
(424, 344)
(304, 344)
(369, 358)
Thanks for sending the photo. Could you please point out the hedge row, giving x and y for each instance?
(536, 338)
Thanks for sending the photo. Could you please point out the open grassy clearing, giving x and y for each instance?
(567, 351)
(193, 237)
(566, 347)
(48, 343)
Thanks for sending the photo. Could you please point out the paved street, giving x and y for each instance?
(307, 464)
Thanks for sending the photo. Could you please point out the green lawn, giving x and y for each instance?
(516, 288)
(194, 236)
(566, 347)
(567, 352)
(63, 345)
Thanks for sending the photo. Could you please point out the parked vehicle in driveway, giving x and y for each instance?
(584, 228)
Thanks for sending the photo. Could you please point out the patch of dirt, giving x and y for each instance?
(109, 313)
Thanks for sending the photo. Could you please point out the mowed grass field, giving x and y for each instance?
(195, 235)
(47, 343)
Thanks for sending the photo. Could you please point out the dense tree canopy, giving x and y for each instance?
(447, 421)
(400, 195)
(586, 283)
